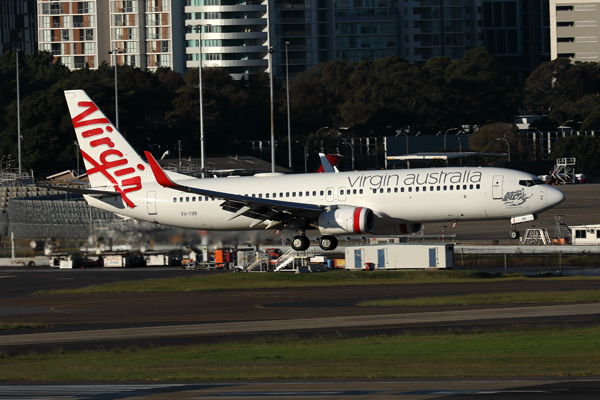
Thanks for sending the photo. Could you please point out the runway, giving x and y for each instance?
(498, 389)
(290, 325)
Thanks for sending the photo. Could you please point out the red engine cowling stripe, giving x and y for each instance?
(356, 219)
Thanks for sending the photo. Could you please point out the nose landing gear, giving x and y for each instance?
(513, 233)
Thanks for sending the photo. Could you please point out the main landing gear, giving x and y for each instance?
(301, 243)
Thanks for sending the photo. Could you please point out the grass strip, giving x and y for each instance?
(23, 325)
(554, 296)
(237, 281)
(518, 352)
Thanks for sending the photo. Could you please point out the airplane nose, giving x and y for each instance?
(554, 196)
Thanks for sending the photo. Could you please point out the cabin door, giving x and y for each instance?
(497, 183)
(151, 202)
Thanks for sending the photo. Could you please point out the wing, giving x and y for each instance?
(259, 209)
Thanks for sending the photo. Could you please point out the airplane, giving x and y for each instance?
(378, 202)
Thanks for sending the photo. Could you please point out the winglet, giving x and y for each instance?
(329, 163)
(158, 172)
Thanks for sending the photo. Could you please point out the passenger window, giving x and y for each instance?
(206, 198)
(314, 193)
(360, 191)
(431, 188)
(410, 189)
(287, 194)
(348, 191)
(193, 199)
(477, 186)
(329, 192)
(445, 187)
(187, 199)
(266, 195)
(307, 193)
(457, 187)
(174, 199)
(300, 194)
(381, 190)
(374, 191)
(438, 188)
(417, 189)
(280, 194)
(293, 194)
(395, 190)
(322, 192)
(464, 187)
(260, 195)
(354, 191)
(341, 192)
(424, 188)
(451, 187)
(471, 186)
(181, 199)
(402, 190)
(199, 198)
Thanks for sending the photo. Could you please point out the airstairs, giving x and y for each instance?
(564, 170)
(536, 236)
(285, 259)
(561, 229)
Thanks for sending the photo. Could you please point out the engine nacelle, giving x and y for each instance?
(346, 220)
(397, 229)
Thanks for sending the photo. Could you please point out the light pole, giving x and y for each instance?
(562, 127)
(451, 129)
(351, 149)
(287, 89)
(305, 155)
(115, 51)
(198, 27)
(507, 146)
(18, 114)
(271, 50)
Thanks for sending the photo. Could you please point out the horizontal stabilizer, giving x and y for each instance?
(90, 192)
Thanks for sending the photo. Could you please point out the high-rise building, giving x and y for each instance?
(17, 26)
(574, 29)
(517, 32)
(234, 35)
(140, 32)
(432, 28)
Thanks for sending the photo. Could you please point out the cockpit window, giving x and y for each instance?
(531, 182)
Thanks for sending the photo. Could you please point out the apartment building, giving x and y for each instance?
(574, 29)
(234, 35)
(18, 28)
(139, 32)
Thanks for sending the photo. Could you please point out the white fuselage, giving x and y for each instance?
(394, 196)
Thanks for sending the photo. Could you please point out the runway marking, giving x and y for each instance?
(297, 393)
(99, 391)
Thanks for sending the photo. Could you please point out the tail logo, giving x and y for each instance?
(96, 136)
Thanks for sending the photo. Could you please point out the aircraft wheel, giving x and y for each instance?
(300, 243)
(328, 243)
(514, 234)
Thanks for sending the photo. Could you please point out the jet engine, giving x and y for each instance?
(396, 229)
(346, 220)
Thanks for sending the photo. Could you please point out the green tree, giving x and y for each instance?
(490, 139)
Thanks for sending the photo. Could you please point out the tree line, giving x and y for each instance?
(157, 110)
